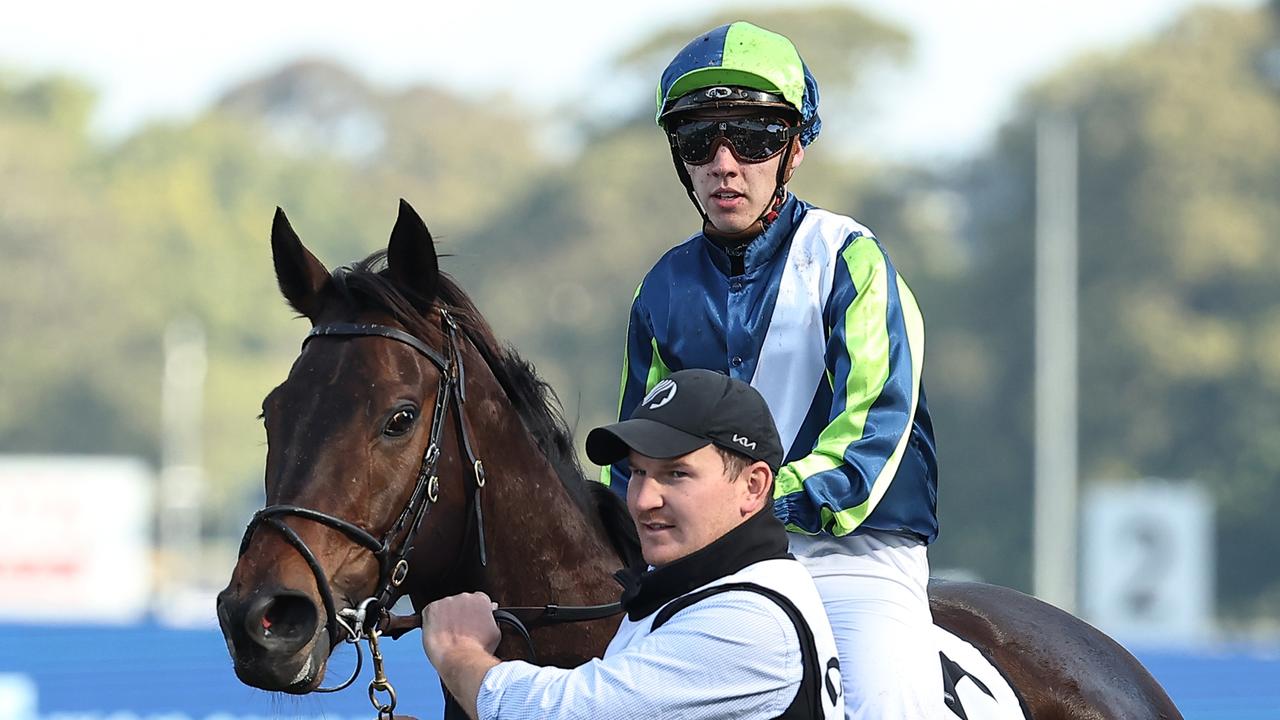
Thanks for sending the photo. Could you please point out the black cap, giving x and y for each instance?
(687, 411)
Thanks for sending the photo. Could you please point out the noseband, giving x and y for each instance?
(392, 557)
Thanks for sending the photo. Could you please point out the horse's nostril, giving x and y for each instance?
(281, 622)
(290, 618)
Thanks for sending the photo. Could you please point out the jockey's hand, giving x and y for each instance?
(459, 622)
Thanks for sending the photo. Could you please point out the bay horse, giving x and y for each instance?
(410, 453)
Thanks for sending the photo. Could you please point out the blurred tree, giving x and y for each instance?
(105, 246)
(1180, 195)
(456, 160)
(54, 233)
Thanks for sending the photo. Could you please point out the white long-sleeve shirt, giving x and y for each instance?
(731, 655)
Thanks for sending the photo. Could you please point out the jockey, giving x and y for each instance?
(806, 306)
(724, 623)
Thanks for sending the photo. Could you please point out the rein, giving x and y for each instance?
(519, 618)
(373, 618)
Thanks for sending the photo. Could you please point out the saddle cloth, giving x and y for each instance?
(973, 688)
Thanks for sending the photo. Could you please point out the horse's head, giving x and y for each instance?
(356, 454)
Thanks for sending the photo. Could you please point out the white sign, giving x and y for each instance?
(17, 697)
(74, 539)
(1148, 561)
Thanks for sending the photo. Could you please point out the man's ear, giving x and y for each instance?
(757, 488)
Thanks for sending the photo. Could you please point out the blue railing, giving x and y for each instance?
(149, 672)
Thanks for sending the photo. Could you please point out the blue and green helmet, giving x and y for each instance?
(742, 55)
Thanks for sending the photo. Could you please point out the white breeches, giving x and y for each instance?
(873, 587)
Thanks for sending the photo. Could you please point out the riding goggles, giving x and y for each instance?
(751, 140)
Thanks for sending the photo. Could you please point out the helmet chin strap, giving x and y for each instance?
(688, 184)
(780, 189)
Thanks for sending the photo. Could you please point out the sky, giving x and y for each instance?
(159, 59)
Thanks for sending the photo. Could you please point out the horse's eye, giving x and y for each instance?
(400, 423)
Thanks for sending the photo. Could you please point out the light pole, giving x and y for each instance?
(1057, 347)
(182, 477)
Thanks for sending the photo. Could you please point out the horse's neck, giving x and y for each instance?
(542, 547)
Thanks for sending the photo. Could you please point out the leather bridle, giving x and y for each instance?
(393, 548)
(372, 618)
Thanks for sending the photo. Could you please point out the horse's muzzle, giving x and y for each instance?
(272, 639)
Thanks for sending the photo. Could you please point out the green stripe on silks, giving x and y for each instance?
(606, 472)
(626, 354)
(867, 343)
(658, 370)
(846, 521)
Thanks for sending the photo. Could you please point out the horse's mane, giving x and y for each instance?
(367, 284)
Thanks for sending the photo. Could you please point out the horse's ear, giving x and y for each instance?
(411, 254)
(301, 276)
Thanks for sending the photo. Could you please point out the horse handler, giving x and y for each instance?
(723, 623)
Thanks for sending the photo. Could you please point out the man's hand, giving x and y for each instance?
(459, 636)
(458, 622)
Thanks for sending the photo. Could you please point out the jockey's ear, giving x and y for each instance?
(797, 157)
(300, 275)
(411, 257)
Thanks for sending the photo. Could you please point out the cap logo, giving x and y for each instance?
(661, 394)
(718, 93)
(744, 442)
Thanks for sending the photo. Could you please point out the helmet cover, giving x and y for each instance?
(742, 55)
